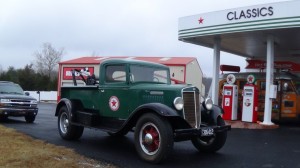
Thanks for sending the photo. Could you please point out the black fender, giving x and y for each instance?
(157, 108)
(61, 103)
(72, 106)
(211, 116)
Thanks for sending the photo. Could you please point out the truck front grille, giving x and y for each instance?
(20, 103)
(192, 108)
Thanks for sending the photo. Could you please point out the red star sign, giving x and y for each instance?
(113, 103)
(250, 79)
(229, 78)
(201, 20)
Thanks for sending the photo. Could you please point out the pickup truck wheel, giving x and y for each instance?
(66, 129)
(153, 138)
(3, 118)
(211, 144)
(30, 118)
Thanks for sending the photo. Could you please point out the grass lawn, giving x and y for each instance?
(20, 150)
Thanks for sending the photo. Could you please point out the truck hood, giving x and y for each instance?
(16, 96)
(160, 87)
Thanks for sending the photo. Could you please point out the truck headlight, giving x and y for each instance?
(178, 103)
(208, 103)
(4, 100)
(33, 102)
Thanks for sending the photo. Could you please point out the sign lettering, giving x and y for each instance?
(250, 13)
(67, 72)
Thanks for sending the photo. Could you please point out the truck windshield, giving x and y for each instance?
(148, 74)
(11, 89)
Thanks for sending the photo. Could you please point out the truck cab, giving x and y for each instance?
(131, 95)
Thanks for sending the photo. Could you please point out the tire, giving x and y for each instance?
(153, 138)
(211, 144)
(30, 118)
(3, 118)
(66, 129)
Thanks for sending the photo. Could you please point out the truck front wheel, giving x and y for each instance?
(211, 144)
(30, 118)
(66, 129)
(153, 138)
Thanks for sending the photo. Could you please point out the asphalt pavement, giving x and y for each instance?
(245, 148)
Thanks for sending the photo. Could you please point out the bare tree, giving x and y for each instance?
(47, 59)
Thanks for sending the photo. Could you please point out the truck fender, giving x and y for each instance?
(64, 102)
(211, 116)
(157, 108)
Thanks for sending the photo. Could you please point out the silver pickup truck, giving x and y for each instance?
(14, 102)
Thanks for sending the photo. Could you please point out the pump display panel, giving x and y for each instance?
(227, 92)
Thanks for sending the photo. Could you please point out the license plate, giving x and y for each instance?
(207, 132)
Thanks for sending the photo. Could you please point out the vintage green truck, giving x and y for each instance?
(138, 96)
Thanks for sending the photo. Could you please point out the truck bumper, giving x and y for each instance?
(187, 134)
(18, 111)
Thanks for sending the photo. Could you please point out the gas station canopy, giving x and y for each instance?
(264, 32)
(243, 31)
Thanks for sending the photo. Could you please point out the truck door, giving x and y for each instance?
(114, 93)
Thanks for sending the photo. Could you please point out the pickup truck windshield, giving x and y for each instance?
(11, 89)
(148, 74)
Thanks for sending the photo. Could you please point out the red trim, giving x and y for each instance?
(59, 82)
(231, 68)
(177, 81)
(161, 60)
(260, 64)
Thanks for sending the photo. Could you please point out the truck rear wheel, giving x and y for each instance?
(66, 129)
(211, 144)
(153, 138)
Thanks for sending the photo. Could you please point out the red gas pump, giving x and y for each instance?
(250, 100)
(230, 99)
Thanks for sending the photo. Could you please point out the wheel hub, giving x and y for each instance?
(148, 139)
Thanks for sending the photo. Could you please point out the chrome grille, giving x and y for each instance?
(192, 108)
(20, 103)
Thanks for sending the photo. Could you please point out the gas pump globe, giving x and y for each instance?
(230, 98)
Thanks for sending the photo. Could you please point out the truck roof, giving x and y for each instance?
(131, 61)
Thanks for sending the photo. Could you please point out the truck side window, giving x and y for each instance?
(115, 73)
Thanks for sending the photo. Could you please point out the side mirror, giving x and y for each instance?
(27, 93)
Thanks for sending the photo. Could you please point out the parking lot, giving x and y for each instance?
(244, 147)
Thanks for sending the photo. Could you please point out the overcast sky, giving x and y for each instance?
(105, 28)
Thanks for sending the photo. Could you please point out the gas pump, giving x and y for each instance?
(230, 99)
(250, 100)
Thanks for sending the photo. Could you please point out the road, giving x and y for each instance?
(243, 149)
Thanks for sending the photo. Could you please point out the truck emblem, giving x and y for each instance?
(114, 103)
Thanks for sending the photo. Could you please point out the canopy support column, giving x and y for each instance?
(216, 65)
(269, 80)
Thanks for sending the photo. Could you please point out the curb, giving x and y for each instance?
(249, 125)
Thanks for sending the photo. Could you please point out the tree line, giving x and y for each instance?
(40, 75)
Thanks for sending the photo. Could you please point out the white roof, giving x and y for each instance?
(243, 31)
